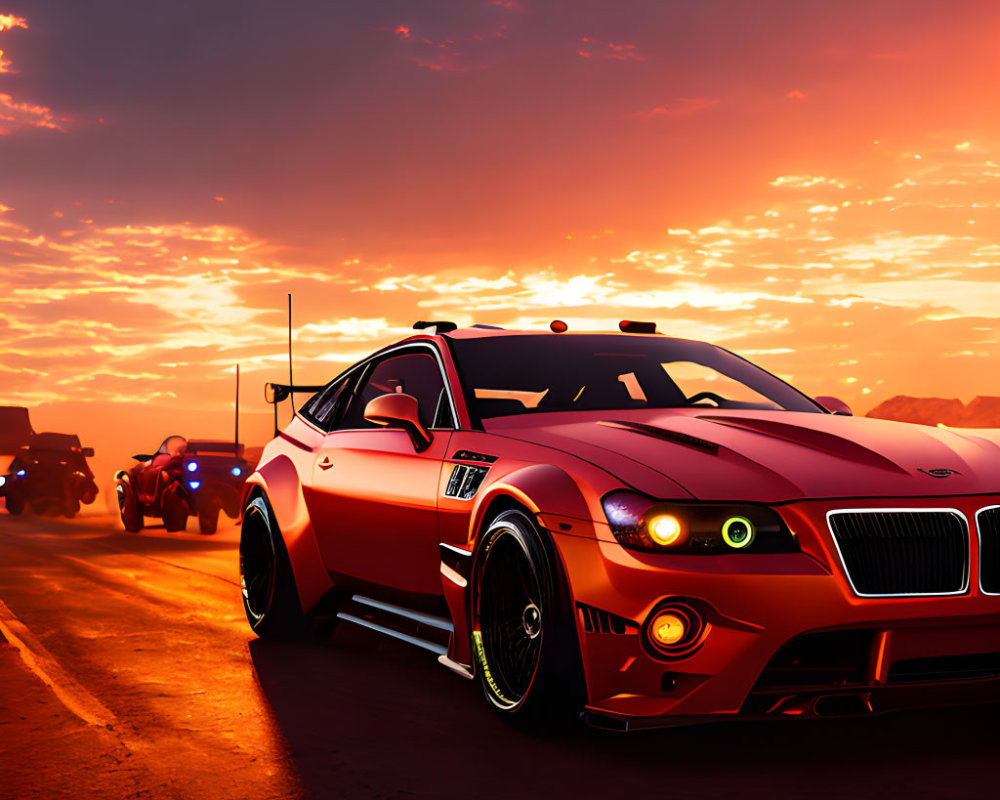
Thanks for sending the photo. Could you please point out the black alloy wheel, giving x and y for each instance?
(523, 636)
(270, 597)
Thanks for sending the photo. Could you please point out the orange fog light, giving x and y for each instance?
(668, 629)
(665, 529)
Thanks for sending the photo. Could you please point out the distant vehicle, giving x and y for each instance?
(50, 474)
(183, 478)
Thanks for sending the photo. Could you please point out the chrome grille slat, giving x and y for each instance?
(895, 552)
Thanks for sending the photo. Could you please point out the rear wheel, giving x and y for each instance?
(71, 508)
(128, 507)
(208, 520)
(270, 597)
(523, 634)
(174, 509)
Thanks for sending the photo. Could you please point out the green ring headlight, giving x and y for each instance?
(738, 532)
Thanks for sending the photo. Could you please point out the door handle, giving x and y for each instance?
(326, 463)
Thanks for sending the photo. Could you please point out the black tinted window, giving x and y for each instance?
(531, 373)
(416, 374)
(322, 408)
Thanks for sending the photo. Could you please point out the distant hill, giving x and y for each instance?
(981, 412)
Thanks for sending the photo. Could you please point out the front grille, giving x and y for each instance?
(890, 552)
(988, 521)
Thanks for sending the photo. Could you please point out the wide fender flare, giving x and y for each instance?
(544, 489)
(279, 481)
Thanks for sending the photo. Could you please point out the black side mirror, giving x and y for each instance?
(142, 457)
(88, 452)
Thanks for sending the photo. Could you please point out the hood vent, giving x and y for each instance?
(676, 437)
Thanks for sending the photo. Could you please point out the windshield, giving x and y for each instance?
(533, 373)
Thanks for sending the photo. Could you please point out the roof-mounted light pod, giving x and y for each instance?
(635, 326)
(558, 326)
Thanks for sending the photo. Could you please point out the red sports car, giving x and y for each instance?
(644, 530)
(183, 477)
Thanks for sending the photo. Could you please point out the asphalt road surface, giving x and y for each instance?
(127, 670)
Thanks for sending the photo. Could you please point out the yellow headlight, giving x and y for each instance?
(665, 529)
(668, 629)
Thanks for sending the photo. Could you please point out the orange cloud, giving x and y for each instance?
(679, 107)
(16, 116)
(9, 22)
(795, 94)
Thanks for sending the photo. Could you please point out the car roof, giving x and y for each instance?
(54, 441)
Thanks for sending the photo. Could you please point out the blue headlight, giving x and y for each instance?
(236, 472)
(191, 466)
(21, 473)
(194, 485)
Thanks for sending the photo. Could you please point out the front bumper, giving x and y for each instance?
(907, 651)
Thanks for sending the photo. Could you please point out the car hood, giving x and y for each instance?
(767, 456)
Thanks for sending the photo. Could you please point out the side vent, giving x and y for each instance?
(465, 481)
(596, 620)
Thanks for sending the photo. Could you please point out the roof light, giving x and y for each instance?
(634, 326)
(558, 326)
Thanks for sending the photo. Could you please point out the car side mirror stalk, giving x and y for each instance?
(399, 411)
(835, 405)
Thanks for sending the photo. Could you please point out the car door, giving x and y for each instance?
(373, 498)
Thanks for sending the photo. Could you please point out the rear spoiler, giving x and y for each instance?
(275, 393)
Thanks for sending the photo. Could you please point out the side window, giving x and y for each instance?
(322, 407)
(415, 373)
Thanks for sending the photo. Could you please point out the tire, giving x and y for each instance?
(270, 597)
(523, 635)
(208, 520)
(128, 507)
(71, 508)
(174, 509)
(15, 504)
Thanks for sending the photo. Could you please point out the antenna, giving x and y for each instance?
(290, 381)
(237, 409)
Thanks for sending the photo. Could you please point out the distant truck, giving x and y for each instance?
(196, 477)
(50, 474)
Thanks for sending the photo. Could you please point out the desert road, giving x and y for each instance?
(127, 670)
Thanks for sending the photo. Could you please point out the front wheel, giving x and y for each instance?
(174, 509)
(523, 634)
(270, 597)
(15, 504)
(128, 507)
(208, 520)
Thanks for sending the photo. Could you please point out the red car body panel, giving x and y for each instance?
(365, 504)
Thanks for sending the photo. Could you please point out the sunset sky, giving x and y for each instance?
(813, 185)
